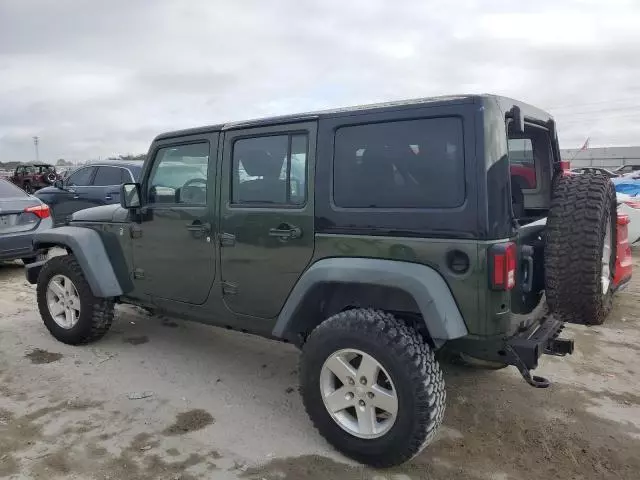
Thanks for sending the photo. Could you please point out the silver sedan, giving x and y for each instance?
(21, 215)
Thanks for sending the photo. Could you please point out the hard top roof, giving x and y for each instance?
(504, 103)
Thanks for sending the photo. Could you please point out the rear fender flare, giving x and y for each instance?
(431, 293)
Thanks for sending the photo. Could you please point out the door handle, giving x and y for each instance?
(199, 227)
(285, 233)
(108, 197)
(76, 196)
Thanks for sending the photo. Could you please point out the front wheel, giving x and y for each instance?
(372, 387)
(67, 306)
(28, 188)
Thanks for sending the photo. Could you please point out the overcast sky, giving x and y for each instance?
(95, 78)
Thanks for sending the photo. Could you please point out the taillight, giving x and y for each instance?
(565, 165)
(41, 211)
(502, 266)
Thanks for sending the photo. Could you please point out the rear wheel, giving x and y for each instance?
(372, 387)
(67, 306)
(580, 252)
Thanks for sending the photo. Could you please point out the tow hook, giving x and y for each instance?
(533, 380)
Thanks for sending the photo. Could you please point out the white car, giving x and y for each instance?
(630, 206)
(626, 204)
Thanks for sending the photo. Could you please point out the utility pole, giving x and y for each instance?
(36, 140)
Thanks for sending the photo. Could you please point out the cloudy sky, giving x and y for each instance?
(95, 78)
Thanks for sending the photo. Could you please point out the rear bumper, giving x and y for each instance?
(20, 244)
(522, 350)
(17, 245)
(525, 348)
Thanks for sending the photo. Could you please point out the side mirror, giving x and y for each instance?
(130, 195)
(59, 184)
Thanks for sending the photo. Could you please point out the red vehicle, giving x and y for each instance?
(34, 177)
(624, 262)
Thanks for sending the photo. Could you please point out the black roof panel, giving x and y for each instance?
(346, 111)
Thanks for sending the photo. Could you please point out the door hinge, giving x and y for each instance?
(227, 239)
(138, 273)
(229, 288)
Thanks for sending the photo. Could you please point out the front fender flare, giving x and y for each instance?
(427, 287)
(88, 248)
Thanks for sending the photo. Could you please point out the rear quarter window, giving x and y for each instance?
(400, 164)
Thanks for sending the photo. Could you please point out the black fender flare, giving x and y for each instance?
(431, 293)
(88, 248)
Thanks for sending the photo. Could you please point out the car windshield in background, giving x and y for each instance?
(9, 190)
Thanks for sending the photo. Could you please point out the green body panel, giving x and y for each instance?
(480, 307)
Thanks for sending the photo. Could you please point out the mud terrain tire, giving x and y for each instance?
(582, 206)
(410, 364)
(96, 314)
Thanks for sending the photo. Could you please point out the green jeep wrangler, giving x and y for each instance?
(377, 239)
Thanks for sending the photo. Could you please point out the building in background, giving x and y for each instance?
(607, 157)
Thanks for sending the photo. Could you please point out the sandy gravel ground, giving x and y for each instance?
(223, 405)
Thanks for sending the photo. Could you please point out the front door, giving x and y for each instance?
(267, 220)
(173, 247)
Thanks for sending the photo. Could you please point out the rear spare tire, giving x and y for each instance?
(580, 249)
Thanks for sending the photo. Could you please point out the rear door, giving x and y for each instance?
(106, 185)
(267, 215)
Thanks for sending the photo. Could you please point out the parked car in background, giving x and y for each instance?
(630, 206)
(597, 170)
(88, 186)
(21, 215)
(34, 177)
(627, 169)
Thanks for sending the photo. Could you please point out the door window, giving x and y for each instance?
(179, 175)
(81, 177)
(107, 176)
(270, 170)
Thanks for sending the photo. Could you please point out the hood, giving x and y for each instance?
(104, 213)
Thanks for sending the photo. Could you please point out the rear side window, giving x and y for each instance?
(403, 164)
(109, 176)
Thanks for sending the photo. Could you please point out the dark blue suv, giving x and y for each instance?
(88, 186)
